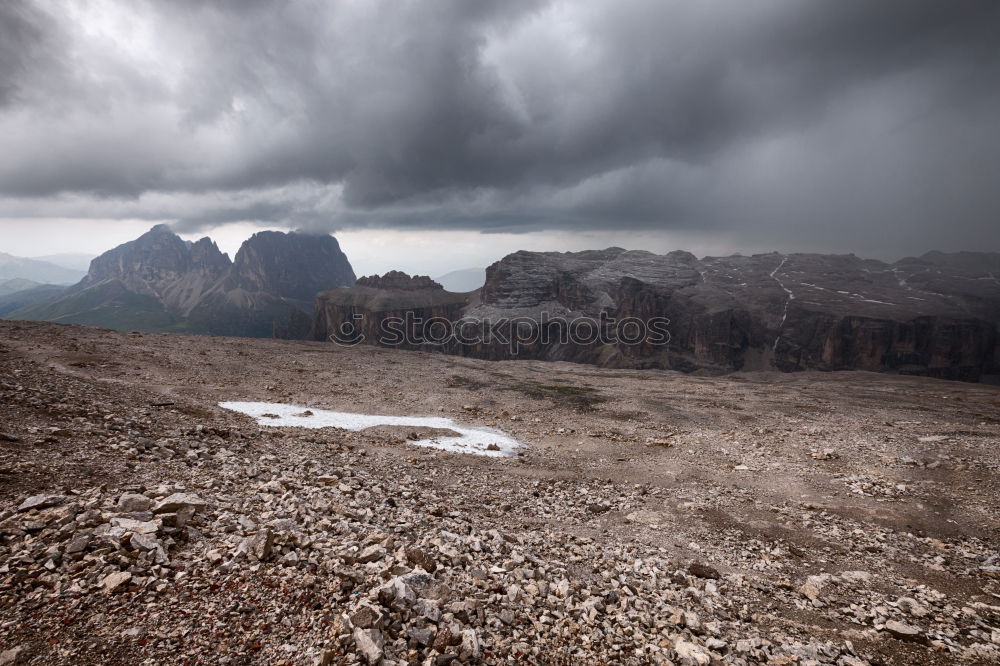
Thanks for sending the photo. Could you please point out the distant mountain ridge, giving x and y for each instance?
(42, 272)
(77, 261)
(159, 282)
(14, 285)
(463, 280)
(26, 297)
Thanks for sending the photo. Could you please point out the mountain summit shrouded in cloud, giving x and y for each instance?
(754, 120)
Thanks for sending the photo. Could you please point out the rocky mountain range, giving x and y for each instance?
(936, 315)
(160, 282)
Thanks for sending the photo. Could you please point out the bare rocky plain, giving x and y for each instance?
(653, 517)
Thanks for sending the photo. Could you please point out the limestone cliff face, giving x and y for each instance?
(291, 265)
(152, 263)
(936, 315)
(392, 310)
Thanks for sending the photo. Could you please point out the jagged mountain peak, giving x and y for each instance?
(159, 281)
(291, 265)
(155, 255)
(205, 254)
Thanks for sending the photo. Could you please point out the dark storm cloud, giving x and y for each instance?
(25, 34)
(761, 117)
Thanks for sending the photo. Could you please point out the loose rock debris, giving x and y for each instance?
(189, 534)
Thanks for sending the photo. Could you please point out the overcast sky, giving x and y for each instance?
(431, 135)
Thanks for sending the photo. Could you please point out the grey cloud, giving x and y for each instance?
(25, 37)
(757, 117)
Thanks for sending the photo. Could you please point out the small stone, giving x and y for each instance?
(397, 594)
(178, 519)
(423, 637)
(904, 632)
(470, 647)
(78, 543)
(445, 638)
(149, 542)
(420, 558)
(825, 454)
(370, 554)
(134, 503)
(856, 576)
(258, 546)
(42, 502)
(12, 656)
(809, 591)
(704, 571)
(694, 653)
(116, 582)
(137, 526)
(366, 617)
(369, 644)
(427, 609)
(911, 606)
(178, 501)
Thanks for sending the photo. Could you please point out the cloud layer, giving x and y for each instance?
(760, 118)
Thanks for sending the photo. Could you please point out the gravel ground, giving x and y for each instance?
(840, 518)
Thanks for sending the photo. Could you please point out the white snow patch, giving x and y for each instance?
(470, 440)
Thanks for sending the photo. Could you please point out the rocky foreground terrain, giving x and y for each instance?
(652, 517)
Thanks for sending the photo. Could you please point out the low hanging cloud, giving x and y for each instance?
(758, 118)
